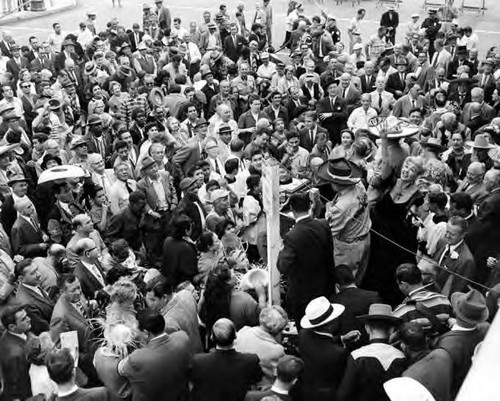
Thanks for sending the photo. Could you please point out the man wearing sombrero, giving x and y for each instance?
(348, 214)
(369, 367)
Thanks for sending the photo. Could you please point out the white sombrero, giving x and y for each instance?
(397, 128)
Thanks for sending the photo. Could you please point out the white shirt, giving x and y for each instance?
(118, 195)
(359, 118)
(160, 192)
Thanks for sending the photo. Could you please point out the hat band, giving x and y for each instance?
(322, 317)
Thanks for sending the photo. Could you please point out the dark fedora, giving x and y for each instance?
(433, 144)
(339, 171)
(15, 178)
(380, 312)
(147, 162)
(470, 307)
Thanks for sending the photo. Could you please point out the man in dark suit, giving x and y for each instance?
(460, 342)
(487, 112)
(68, 52)
(390, 20)
(96, 141)
(16, 63)
(19, 185)
(486, 80)
(294, 105)
(276, 109)
(44, 60)
(368, 78)
(356, 301)
(210, 372)
(29, 294)
(396, 82)
(191, 153)
(322, 351)
(332, 112)
(191, 206)
(135, 36)
(233, 44)
(27, 237)
(6, 44)
(14, 366)
(310, 132)
(454, 255)
(458, 61)
(88, 268)
(483, 236)
(309, 273)
(158, 371)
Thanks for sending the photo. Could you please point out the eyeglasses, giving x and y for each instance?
(25, 86)
(149, 83)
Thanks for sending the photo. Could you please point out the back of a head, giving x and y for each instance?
(413, 336)
(409, 273)
(273, 319)
(224, 332)
(152, 322)
(344, 275)
(289, 367)
(60, 365)
(300, 202)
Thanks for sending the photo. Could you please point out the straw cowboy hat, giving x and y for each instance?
(480, 142)
(470, 307)
(433, 144)
(320, 312)
(339, 171)
(396, 127)
(406, 389)
(380, 312)
(156, 97)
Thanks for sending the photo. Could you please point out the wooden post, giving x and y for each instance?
(271, 203)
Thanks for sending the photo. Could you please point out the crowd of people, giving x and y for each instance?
(133, 237)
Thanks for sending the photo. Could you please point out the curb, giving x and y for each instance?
(35, 15)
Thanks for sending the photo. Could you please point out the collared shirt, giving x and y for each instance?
(34, 288)
(20, 335)
(301, 218)
(160, 192)
(456, 327)
(448, 250)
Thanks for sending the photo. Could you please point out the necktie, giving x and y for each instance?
(379, 100)
(483, 82)
(34, 223)
(129, 188)
(445, 254)
(311, 133)
(402, 78)
(344, 93)
(332, 103)
(413, 104)
(435, 59)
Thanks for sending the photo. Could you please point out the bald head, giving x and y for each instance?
(24, 206)
(475, 172)
(492, 180)
(224, 332)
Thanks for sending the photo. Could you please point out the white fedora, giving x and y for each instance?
(319, 312)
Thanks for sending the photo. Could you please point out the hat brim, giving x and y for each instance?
(338, 309)
(404, 129)
(12, 182)
(76, 145)
(324, 175)
(470, 144)
(439, 148)
(386, 318)
(146, 166)
(469, 81)
(455, 299)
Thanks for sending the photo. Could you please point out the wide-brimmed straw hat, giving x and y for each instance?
(397, 128)
(320, 312)
(480, 142)
(380, 312)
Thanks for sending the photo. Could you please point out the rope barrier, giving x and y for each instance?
(310, 186)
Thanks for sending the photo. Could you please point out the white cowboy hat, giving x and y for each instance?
(406, 389)
(396, 127)
(320, 312)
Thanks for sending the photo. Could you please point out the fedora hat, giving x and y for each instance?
(488, 61)
(225, 129)
(11, 115)
(380, 312)
(401, 61)
(215, 55)
(464, 79)
(212, 25)
(4, 108)
(186, 183)
(320, 312)
(14, 46)
(142, 46)
(200, 122)
(480, 142)
(67, 42)
(147, 162)
(125, 70)
(90, 68)
(94, 119)
(396, 128)
(470, 307)
(156, 97)
(339, 171)
(433, 143)
(16, 178)
(219, 194)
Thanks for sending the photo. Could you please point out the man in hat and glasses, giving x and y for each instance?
(369, 367)
(468, 331)
(396, 82)
(348, 214)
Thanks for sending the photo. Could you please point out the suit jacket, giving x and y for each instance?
(425, 76)
(460, 345)
(38, 308)
(159, 371)
(14, 68)
(29, 112)
(305, 137)
(394, 84)
(357, 302)
(232, 49)
(145, 186)
(311, 94)
(387, 102)
(8, 214)
(16, 383)
(403, 106)
(294, 109)
(210, 372)
(463, 264)
(38, 64)
(125, 225)
(338, 121)
(90, 284)
(487, 112)
(324, 365)
(443, 60)
(61, 58)
(133, 44)
(453, 67)
(26, 240)
(204, 41)
(390, 19)
(309, 273)
(488, 87)
(368, 85)
(187, 156)
(352, 99)
(188, 207)
(5, 50)
(283, 113)
(66, 317)
(164, 18)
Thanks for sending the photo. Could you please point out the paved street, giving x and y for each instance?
(487, 25)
